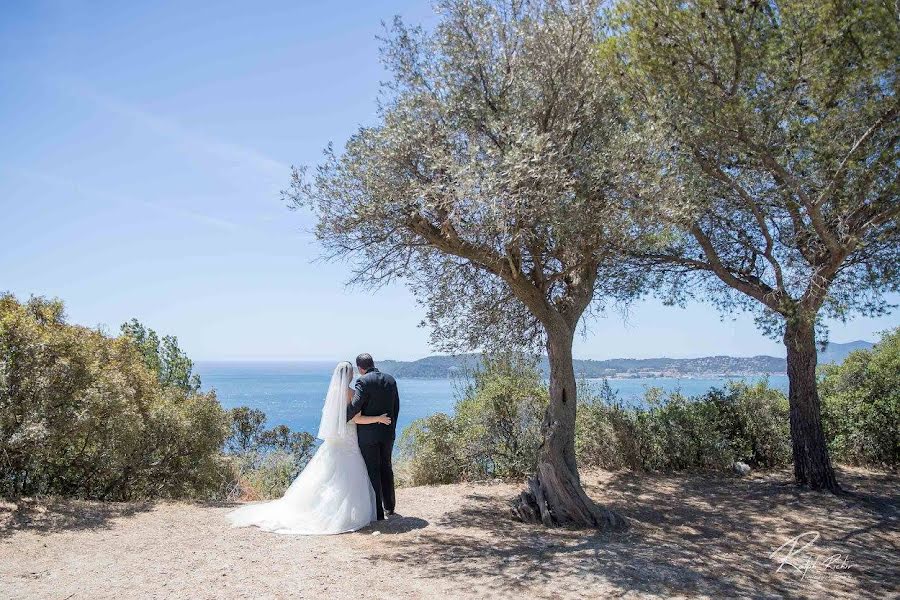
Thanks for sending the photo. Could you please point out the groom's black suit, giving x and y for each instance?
(376, 394)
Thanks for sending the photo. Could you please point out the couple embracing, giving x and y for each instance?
(350, 481)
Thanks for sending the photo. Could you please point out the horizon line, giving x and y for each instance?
(410, 360)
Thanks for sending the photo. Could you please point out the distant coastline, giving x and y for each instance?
(438, 367)
(448, 366)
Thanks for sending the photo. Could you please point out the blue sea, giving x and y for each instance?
(291, 393)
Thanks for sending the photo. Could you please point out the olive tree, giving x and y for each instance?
(765, 153)
(485, 185)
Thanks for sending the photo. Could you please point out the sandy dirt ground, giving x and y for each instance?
(690, 536)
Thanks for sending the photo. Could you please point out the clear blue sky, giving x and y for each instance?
(144, 145)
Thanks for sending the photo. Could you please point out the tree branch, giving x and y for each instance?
(885, 118)
(786, 178)
(447, 239)
(759, 291)
(716, 172)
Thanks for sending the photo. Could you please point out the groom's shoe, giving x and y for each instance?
(388, 513)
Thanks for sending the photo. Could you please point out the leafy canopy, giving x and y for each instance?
(767, 133)
(163, 357)
(486, 181)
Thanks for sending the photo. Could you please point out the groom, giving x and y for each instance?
(376, 394)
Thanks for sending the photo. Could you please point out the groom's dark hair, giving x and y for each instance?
(364, 361)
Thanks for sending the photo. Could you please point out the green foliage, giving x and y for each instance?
(499, 419)
(754, 420)
(261, 475)
(495, 430)
(164, 358)
(603, 429)
(861, 405)
(742, 422)
(429, 451)
(264, 461)
(247, 427)
(85, 415)
(765, 134)
(82, 415)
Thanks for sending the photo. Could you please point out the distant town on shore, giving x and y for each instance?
(708, 366)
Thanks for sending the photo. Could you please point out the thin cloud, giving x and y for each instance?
(194, 142)
(63, 183)
(201, 218)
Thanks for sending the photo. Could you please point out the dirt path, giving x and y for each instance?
(691, 536)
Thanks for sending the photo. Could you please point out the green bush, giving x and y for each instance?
(604, 429)
(742, 422)
(495, 430)
(498, 419)
(429, 452)
(260, 475)
(163, 357)
(861, 405)
(263, 461)
(673, 433)
(753, 418)
(82, 415)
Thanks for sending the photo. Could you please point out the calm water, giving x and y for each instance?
(292, 393)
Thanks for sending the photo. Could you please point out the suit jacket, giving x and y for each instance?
(375, 394)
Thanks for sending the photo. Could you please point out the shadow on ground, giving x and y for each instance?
(689, 535)
(46, 516)
(396, 524)
(53, 515)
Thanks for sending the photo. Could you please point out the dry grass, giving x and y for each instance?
(691, 536)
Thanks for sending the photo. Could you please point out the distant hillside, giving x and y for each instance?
(836, 353)
(431, 366)
(446, 366)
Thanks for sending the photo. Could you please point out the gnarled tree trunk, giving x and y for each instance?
(812, 464)
(554, 495)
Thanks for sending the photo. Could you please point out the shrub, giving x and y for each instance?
(672, 432)
(172, 366)
(861, 405)
(81, 414)
(605, 432)
(260, 475)
(263, 461)
(753, 418)
(86, 415)
(678, 433)
(429, 451)
(247, 428)
(495, 430)
(498, 419)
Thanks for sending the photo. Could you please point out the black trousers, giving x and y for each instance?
(377, 456)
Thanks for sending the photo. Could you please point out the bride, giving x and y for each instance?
(333, 494)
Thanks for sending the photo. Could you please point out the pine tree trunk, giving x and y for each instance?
(812, 464)
(554, 495)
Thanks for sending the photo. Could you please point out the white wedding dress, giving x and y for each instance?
(333, 494)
